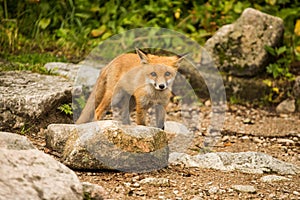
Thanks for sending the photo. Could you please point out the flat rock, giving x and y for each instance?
(27, 97)
(31, 174)
(239, 48)
(80, 74)
(14, 141)
(248, 162)
(158, 182)
(107, 145)
(273, 178)
(244, 188)
(68, 70)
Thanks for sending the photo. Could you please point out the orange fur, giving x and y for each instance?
(133, 80)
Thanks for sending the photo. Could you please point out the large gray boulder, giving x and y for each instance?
(107, 145)
(80, 74)
(31, 174)
(238, 48)
(27, 97)
(27, 173)
(248, 162)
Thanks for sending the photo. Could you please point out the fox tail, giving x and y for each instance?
(87, 114)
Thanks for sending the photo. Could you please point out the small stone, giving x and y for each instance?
(273, 178)
(296, 193)
(207, 103)
(248, 121)
(225, 138)
(213, 190)
(287, 106)
(136, 185)
(159, 182)
(140, 193)
(127, 184)
(257, 140)
(244, 188)
(285, 141)
(245, 138)
(271, 196)
(175, 192)
(94, 191)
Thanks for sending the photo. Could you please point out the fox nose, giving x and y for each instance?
(161, 86)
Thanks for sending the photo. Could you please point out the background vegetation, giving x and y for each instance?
(33, 32)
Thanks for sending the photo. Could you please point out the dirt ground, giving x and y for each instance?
(245, 129)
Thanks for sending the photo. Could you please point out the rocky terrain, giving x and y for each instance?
(245, 130)
(209, 150)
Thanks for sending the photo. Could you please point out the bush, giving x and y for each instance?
(77, 26)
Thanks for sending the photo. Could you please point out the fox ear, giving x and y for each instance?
(180, 58)
(142, 55)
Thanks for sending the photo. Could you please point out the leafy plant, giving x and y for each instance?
(24, 129)
(280, 68)
(66, 108)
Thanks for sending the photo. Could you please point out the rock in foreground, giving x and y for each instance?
(248, 162)
(107, 145)
(26, 173)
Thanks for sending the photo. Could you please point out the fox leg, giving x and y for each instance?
(160, 113)
(126, 109)
(140, 113)
(104, 104)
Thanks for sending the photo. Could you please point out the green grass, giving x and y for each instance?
(28, 62)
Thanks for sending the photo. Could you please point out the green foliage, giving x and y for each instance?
(280, 85)
(280, 68)
(235, 100)
(66, 108)
(24, 129)
(78, 26)
(31, 61)
(73, 28)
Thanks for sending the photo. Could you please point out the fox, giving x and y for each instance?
(133, 80)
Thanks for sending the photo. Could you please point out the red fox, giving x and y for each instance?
(133, 80)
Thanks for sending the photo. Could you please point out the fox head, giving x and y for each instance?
(161, 70)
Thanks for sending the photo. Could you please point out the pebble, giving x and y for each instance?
(207, 103)
(285, 141)
(136, 185)
(244, 188)
(248, 121)
(225, 138)
(296, 193)
(257, 140)
(245, 138)
(273, 178)
(213, 190)
(160, 182)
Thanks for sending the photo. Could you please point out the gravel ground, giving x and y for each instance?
(245, 129)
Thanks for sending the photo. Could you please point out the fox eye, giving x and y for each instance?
(167, 74)
(153, 74)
